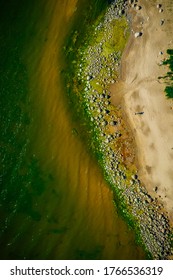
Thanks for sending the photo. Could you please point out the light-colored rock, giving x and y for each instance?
(158, 6)
(138, 34)
(162, 21)
(138, 8)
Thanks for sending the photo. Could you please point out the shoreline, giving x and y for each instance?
(98, 68)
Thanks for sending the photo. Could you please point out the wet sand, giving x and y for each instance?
(140, 90)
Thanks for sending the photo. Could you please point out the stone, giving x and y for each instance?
(138, 34)
(113, 123)
(162, 21)
(138, 8)
(158, 6)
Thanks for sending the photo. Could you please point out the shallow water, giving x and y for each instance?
(55, 203)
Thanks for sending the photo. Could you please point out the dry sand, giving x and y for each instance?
(140, 90)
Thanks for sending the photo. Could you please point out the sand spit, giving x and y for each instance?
(143, 92)
(97, 68)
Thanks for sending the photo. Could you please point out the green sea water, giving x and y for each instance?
(54, 202)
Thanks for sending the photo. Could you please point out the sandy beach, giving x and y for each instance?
(140, 90)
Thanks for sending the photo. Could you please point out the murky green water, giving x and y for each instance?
(54, 202)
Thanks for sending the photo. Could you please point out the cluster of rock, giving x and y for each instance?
(159, 7)
(134, 4)
(97, 70)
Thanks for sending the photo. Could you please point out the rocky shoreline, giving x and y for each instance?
(97, 69)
